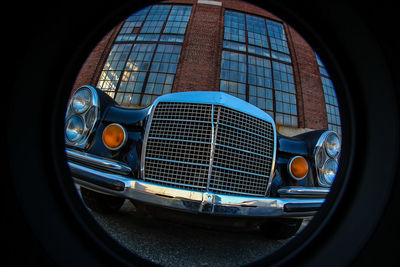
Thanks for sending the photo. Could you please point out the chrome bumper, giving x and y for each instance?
(88, 171)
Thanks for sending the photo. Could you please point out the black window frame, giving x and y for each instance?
(157, 39)
(272, 56)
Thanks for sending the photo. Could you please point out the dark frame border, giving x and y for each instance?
(41, 204)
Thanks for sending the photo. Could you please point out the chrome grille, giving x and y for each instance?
(208, 147)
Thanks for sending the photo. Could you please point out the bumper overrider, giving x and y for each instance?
(112, 177)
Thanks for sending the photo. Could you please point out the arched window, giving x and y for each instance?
(332, 106)
(143, 60)
(256, 65)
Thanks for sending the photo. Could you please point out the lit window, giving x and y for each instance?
(113, 68)
(134, 76)
(143, 60)
(162, 72)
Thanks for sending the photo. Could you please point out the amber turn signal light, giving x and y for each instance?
(298, 167)
(114, 136)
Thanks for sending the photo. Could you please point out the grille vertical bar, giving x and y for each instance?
(212, 151)
(209, 147)
(243, 154)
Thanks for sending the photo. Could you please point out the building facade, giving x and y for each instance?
(227, 45)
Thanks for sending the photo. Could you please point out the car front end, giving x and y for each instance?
(198, 152)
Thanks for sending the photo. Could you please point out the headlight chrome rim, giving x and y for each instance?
(321, 157)
(73, 133)
(329, 170)
(90, 116)
(332, 148)
(82, 100)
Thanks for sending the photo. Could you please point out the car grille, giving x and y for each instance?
(206, 147)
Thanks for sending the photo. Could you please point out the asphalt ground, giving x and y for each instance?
(175, 244)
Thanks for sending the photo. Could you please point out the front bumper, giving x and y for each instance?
(111, 177)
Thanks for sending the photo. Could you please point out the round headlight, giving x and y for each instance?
(328, 171)
(332, 145)
(81, 100)
(74, 128)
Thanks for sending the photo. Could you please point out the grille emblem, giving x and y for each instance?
(207, 205)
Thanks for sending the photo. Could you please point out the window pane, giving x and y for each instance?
(256, 31)
(178, 20)
(147, 60)
(232, 71)
(135, 21)
(113, 67)
(234, 46)
(258, 68)
(234, 29)
(262, 69)
(277, 36)
(332, 108)
(285, 98)
(156, 19)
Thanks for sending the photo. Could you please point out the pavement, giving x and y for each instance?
(174, 244)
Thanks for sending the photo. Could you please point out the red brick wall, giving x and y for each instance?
(200, 60)
(310, 96)
(249, 8)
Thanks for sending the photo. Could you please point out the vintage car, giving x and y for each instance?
(203, 154)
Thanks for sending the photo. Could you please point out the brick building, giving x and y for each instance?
(225, 45)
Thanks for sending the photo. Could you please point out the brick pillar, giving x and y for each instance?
(198, 68)
(310, 95)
